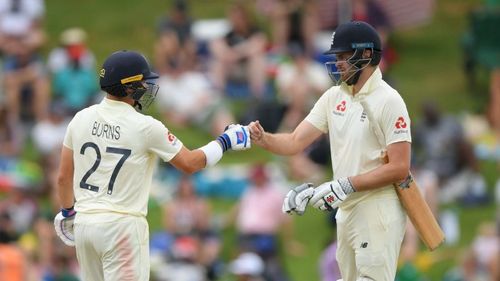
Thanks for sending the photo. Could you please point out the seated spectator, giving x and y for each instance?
(187, 98)
(187, 217)
(175, 50)
(310, 165)
(21, 208)
(372, 12)
(72, 47)
(300, 82)
(48, 136)
(25, 80)
(441, 148)
(482, 259)
(74, 77)
(292, 22)
(24, 14)
(239, 65)
(11, 136)
(260, 223)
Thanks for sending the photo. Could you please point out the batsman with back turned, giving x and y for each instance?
(110, 151)
(371, 220)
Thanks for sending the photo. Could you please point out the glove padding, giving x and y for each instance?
(296, 199)
(63, 224)
(235, 137)
(328, 196)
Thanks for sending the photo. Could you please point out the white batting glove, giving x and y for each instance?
(330, 195)
(63, 223)
(235, 137)
(296, 199)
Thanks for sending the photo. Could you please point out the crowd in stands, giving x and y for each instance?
(277, 75)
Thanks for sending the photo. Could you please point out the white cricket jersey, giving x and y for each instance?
(115, 150)
(354, 147)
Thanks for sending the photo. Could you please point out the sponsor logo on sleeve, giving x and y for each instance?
(400, 126)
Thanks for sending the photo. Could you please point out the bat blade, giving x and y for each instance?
(419, 212)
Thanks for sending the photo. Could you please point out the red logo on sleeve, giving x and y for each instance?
(401, 123)
(341, 106)
(170, 137)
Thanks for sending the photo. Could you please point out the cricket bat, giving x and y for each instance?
(418, 211)
(410, 197)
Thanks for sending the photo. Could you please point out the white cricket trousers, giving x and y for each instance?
(112, 247)
(369, 239)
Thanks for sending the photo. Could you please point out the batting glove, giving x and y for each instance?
(235, 137)
(330, 195)
(63, 223)
(296, 199)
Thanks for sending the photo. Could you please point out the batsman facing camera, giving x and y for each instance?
(109, 153)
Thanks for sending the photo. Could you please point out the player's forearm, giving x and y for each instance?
(65, 193)
(381, 176)
(282, 144)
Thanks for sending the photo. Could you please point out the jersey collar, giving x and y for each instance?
(114, 103)
(370, 84)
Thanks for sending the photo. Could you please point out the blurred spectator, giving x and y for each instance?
(260, 221)
(74, 77)
(247, 266)
(72, 50)
(187, 99)
(239, 65)
(25, 15)
(13, 263)
(292, 22)
(481, 47)
(11, 136)
(328, 265)
(373, 13)
(310, 165)
(440, 147)
(21, 208)
(25, 79)
(175, 50)
(482, 259)
(300, 82)
(187, 217)
(48, 136)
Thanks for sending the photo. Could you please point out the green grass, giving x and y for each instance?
(429, 67)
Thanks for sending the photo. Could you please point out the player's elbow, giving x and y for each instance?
(189, 170)
(400, 172)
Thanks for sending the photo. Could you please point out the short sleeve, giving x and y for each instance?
(395, 121)
(68, 138)
(162, 142)
(318, 116)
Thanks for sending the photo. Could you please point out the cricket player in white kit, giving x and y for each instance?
(370, 219)
(107, 162)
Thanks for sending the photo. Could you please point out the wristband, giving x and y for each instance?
(68, 212)
(224, 141)
(346, 185)
(213, 153)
